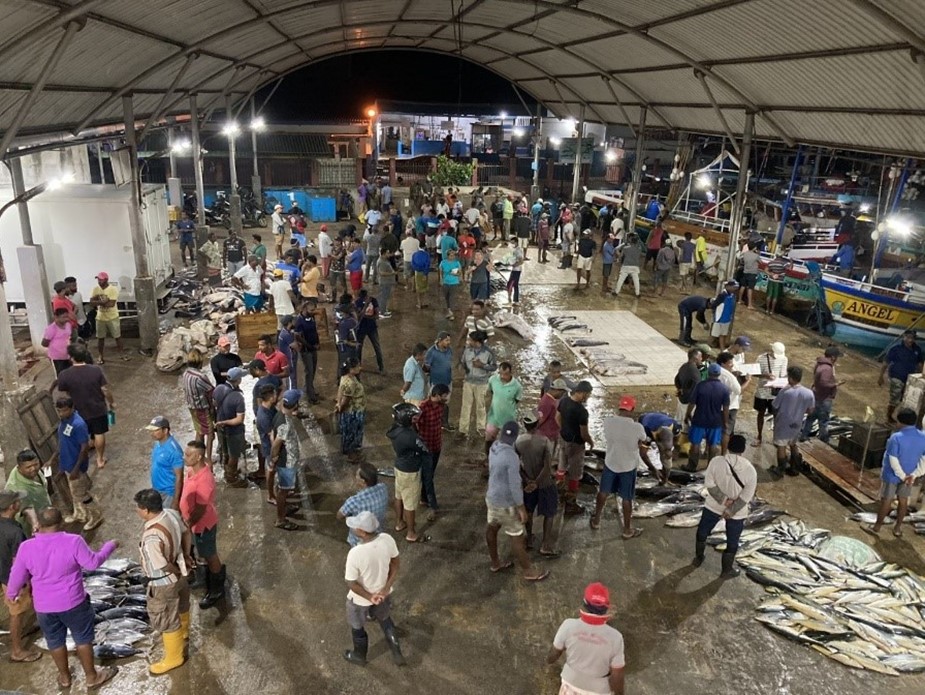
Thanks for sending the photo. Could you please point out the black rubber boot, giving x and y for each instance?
(215, 584)
(730, 571)
(777, 472)
(199, 577)
(699, 549)
(357, 655)
(793, 465)
(388, 627)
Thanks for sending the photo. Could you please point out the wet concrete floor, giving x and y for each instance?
(464, 629)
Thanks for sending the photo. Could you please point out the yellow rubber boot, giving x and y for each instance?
(184, 625)
(173, 653)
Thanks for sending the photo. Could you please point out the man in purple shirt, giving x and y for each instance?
(52, 560)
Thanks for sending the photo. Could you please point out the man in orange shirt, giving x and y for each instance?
(466, 243)
(61, 301)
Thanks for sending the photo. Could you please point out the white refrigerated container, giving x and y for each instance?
(84, 230)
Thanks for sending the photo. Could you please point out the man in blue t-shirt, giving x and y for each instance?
(724, 309)
(903, 462)
(708, 416)
(901, 361)
(186, 228)
(74, 462)
(166, 462)
(438, 363)
(608, 255)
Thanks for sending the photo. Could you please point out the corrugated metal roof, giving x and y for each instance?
(838, 72)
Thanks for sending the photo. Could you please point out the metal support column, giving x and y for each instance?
(197, 162)
(637, 168)
(537, 139)
(576, 171)
(738, 210)
(255, 175)
(788, 202)
(99, 161)
(31, 264)
(234, 199)
(9, 370)
(145, 298)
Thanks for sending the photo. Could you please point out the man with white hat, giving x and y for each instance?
(372, 567)
(773, 366)
(594, 661)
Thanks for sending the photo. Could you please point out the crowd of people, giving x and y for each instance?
(534, 460)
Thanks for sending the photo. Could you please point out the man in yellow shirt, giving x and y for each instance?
(700, 258)
(104, 297)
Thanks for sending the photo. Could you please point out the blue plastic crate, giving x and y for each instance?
(323, 210)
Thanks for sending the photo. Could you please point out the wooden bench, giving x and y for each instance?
(842, 472)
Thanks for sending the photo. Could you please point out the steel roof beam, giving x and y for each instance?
(67, 14)
(72, 28)
(717, 110)
(156, 114)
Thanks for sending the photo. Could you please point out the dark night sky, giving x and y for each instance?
(341, 87)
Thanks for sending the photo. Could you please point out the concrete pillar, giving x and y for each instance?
(202, 236)
(576, 168)
(9, 370)
(433, 165)
(359, 171)
(393, 174)
(145, 299)
(257, 188)
(475, 172)
(197, 162)
(550, 171)
(512, 172)
(13, 437)
(637, 169)
(35, 289)
(31, 264)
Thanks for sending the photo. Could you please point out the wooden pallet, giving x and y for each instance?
(841, 472)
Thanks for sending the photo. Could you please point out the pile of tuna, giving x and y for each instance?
(117, 596)
(833, 594)
(683, 504)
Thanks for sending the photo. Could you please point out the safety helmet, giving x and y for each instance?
(404, 413)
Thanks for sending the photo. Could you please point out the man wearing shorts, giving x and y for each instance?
(572, 417)
(249, 278)
(777, 271)
(197, 506)
(504, 393)
(586, 248)
(773, 366)
(903, 462)
(505, 501)
(104, 297)
(686, 260)
(903, 359)
(540, 495)
(53, 561)
(285, 454)
(749, 258)
(87, 386)
(630, 257)
(164, 547)
(626, 443)
(790, 406)
(708, 416)
(608, 256)
(410, 454)
(690, 308)
(230, 420)
(724, 308)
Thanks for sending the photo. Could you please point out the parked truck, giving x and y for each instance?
(83, 230)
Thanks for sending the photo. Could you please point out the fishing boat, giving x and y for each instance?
(864, 313)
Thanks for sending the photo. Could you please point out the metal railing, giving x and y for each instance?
(334, 173)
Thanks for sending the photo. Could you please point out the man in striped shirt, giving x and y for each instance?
(197, 389)
(165, 545)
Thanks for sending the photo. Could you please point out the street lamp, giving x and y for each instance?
(258, 125)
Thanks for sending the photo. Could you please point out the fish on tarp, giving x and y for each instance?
(120, 636)
(685, 519)
(100, 593)
(762, 516)
(129, 600)
(554, 321)
(99, 606)
(124, 612)
(103, 572)
(586, 342)
(114, 651)
(651, 510)
(100, 580)
(133, 624)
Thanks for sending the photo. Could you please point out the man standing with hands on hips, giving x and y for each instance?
(104, 298)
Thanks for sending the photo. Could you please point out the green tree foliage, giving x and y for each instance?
(452, 173)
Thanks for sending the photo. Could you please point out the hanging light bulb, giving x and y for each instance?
(677, 158)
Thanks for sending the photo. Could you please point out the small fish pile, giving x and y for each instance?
(606, 363)
(117, 597)
(865, 614)
(567, 323)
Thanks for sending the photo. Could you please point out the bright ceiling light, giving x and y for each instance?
(555, 141)
(517, 132)
(502, 115)
(704, 182)
(610, 156)
(371, 112)
(231, 129)
(180, 146)
(899, 226)
(258, 124)
(59, 181)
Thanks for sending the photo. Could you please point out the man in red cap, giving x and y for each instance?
(593, 650)
(104, 298)
(626, 444)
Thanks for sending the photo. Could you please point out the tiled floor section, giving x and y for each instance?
(536, 273)
(633, 338)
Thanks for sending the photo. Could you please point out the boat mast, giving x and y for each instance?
(788, 202)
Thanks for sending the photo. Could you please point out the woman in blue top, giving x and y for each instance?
(450, 272)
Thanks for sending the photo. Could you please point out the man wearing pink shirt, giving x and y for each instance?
(53, 562)
(58, 335)
(549, 403)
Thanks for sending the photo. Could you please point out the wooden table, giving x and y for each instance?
(841, 472)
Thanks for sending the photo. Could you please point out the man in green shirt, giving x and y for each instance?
(504, 393)
(27, 479)
(259, 250)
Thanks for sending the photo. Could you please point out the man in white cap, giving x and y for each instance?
(279, 229)
(372, 567)
(773, 366)
(505, 501)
